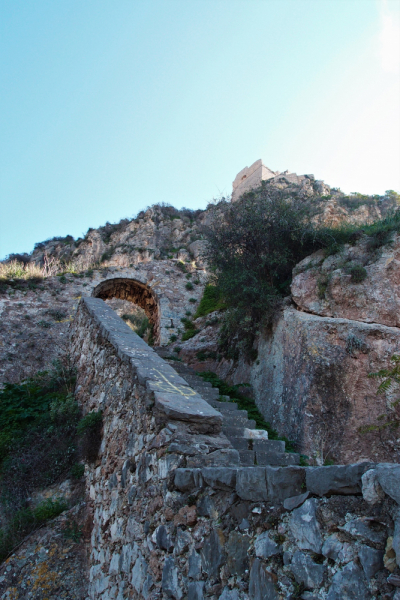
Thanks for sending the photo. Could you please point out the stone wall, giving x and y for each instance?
(174, 514)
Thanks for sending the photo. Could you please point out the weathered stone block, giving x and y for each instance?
(284, 482)
(220, 478)
(188, 479)
(251, 484)
(187, 408)
(336, 479)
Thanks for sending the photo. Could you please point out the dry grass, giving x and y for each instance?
(16, 270)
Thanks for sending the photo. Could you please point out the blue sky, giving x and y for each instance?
(107, 107)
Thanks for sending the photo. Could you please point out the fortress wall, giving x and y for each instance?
(172, 519)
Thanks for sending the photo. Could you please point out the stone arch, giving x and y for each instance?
(135, 291)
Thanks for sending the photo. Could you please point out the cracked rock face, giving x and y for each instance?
(324, 286)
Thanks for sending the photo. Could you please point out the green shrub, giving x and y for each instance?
(181, 265)
(210, 301)
(26, 520)
(189, 285)
(139, 323)
(192, 300)
(89, 430)
(322, 285)
(203, 355)
(44, 324)
(190, 329)
(77, 470)
(173, 338)
(89, 422)
(358, 273)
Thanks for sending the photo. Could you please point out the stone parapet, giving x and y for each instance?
(174, 515)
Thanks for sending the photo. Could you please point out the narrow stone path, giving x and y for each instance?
(253, 444)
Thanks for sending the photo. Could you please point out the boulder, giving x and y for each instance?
(195, 590)
(237, 548)
(212, 555)
(169, 582)
(186, 480)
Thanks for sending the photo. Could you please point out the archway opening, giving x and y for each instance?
(135, 292)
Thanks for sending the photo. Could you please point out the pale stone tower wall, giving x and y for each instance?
(249, 178)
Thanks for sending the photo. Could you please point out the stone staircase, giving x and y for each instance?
(253, 445)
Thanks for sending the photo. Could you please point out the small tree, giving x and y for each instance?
(253, 245)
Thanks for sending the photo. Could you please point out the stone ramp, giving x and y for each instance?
(253, 445)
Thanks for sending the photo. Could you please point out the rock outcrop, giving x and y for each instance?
(325, 286)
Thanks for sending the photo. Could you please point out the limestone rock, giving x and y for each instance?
(251, 484)
(284, 482)
(371, 560)
(295, 501)
(236, 549)
(360, 528)
(195, 590)
(389, 479)
(265, 547)
(374, 300)
(371, 489)
(212, 555)
(194, 571)
(349, 584)
(305, 528)
(261, 584)
(228, 594)
(306, 571)
(169, 583)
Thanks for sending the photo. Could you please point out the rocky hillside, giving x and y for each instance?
(163, 232)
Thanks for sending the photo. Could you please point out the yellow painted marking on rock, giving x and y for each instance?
(167, 386)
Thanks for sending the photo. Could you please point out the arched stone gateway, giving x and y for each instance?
(136, 292)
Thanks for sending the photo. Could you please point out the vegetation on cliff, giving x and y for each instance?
(42, 436)
(253, 246)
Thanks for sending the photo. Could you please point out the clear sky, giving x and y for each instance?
(107, 106)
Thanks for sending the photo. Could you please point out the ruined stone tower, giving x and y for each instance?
(250, 177)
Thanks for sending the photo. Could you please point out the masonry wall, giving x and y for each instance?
(175, 516)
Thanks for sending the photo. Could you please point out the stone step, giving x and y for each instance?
(247, 458)
(231, 420)
(278, 459)
(224, 406)
(268, 445)
(239, 443)
(233, 432)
